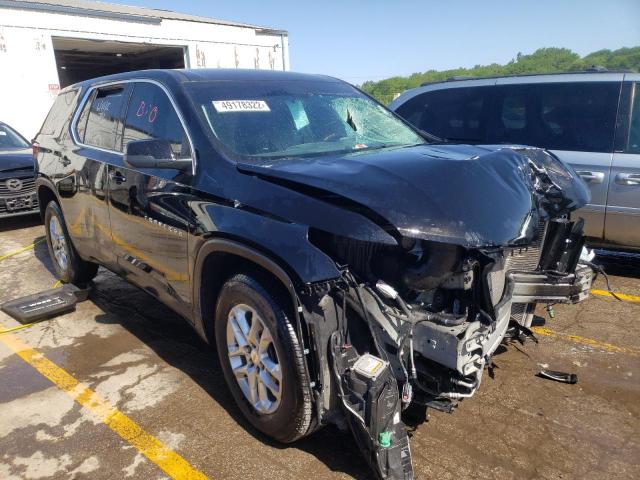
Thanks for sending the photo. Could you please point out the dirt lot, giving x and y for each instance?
(136, 356)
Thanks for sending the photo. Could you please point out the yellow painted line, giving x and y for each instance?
(169, 461)
(622, 296)
(609, 347)
(19, 327)
(22, 250)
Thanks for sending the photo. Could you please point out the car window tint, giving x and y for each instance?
(633, 144)
(454, 114)
(59, 114)
(81, 123)
(104, 118)
(151, 116)
(576, 116)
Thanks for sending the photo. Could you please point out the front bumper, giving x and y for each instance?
(24, 203)
(543, 287)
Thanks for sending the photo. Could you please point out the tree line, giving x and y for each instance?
(543, 60)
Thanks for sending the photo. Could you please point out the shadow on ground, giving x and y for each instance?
(16, 223)
(171, 339)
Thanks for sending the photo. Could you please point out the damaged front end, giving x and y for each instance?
(418, 321)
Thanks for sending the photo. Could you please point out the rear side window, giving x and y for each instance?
(455, 114)
(59, 114)
(103, 117)
(151, 116)
(576, 116)
(633, 144)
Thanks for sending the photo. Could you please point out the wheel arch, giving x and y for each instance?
(46, 192)
(217, 260)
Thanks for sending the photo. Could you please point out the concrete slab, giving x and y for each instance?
(147, 362)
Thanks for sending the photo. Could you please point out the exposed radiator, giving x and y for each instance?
(523, 259)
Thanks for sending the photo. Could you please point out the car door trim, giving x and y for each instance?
(90, 90)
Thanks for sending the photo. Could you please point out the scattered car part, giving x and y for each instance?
(46, 304)
(562, 377)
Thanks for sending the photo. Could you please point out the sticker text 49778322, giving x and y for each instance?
(223, 106)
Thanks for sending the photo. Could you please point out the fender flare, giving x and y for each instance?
(46, 182)
(222, 245)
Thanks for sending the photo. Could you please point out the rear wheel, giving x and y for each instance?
(261, 359)
(69, 267)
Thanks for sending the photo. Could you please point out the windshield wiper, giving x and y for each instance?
(430, 137)
(462, 140)
(350, 121)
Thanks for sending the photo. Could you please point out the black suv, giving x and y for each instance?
(344, 267)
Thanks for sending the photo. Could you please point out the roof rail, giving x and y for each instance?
(592, 69)
(596, 68)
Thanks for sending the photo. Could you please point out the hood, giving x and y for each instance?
(474, 196)
(14, 160)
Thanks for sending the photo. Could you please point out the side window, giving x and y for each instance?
(452, 114)
(579, 116)
(81, 124)
(633, 144)
(59, 114)
(151, 115)
(104, 117)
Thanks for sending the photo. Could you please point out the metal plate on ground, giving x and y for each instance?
(44, 304)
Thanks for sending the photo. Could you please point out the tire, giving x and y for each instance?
(285, 419)
(69, 267)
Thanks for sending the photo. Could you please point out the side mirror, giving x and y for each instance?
(153, 153)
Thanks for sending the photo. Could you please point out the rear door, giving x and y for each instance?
(149, 217)
(622, 224)
(82, 176)
(574, 118)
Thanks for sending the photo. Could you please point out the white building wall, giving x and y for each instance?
(28, 73)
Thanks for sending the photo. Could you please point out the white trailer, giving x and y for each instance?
(46, 45)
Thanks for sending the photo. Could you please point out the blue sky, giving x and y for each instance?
(370, 40)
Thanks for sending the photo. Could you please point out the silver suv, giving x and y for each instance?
(590, 120)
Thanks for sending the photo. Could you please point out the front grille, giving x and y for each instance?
(28, 186)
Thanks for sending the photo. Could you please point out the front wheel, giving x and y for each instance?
(69, 267)
(262, 359)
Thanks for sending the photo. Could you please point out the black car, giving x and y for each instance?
(17, 181)
(343, 267)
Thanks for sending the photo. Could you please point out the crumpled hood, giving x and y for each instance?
(474, 196)
(16, 160)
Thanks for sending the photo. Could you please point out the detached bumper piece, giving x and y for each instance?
(47, 304)
(372, 405)
(548, 287)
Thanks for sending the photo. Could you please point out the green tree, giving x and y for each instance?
(543, 60)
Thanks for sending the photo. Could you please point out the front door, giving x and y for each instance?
(149, 221)
(622, 226)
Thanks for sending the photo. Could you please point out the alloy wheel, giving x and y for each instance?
(58, 242)
(254, 359)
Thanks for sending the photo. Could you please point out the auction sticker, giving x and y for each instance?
(223, 106)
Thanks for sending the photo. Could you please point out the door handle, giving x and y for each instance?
(591, 177)
(117, 177)
(628, 179)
